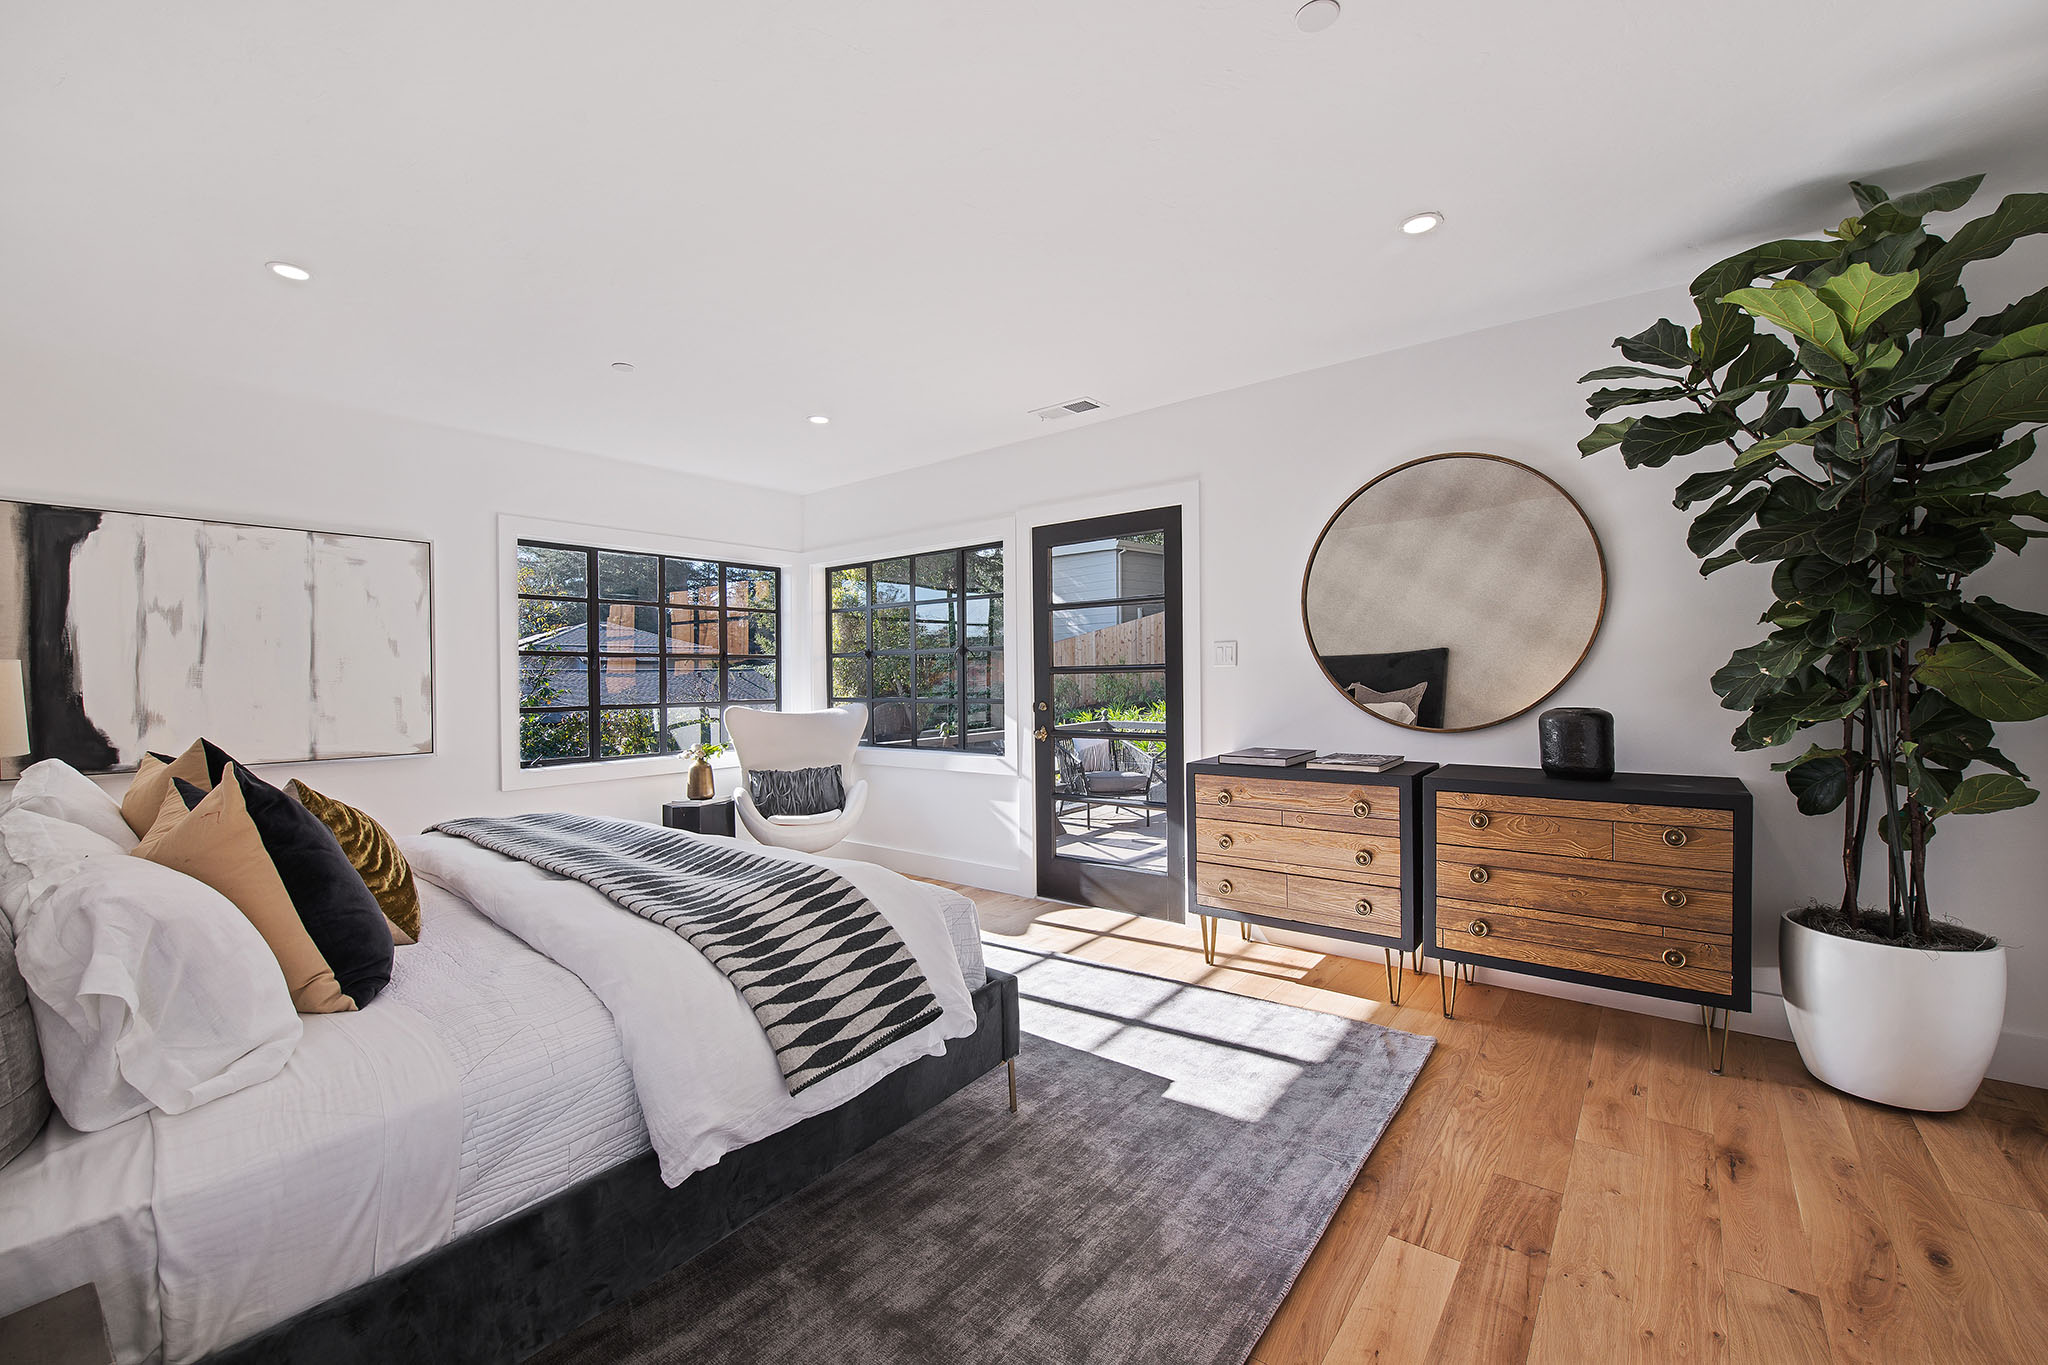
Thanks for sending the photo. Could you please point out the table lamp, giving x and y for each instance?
(13, 710)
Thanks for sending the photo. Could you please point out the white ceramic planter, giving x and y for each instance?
(1902, 1026)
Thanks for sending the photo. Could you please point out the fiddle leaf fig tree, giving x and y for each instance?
(1861, 432)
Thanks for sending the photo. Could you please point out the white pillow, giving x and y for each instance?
(150, 990)
(58, 790)
(39, 851)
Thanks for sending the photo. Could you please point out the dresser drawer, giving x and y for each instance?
(1562, 836)
(1240, 888)
(1356, 800)
(1303, 819)
(1361, 855)
(1516, 934)
(1622, 811)
(1368, 908)
(1570, 886)
(1677, 843)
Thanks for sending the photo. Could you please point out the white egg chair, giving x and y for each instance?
(780, 740)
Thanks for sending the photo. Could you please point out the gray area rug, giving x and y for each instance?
(1178, 1153)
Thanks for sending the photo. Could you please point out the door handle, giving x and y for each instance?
(1039, 734)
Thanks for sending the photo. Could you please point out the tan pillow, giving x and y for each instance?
(217, 843)
(144, 800)
(170, 812)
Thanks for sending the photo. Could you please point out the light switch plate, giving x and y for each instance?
(1224, 653)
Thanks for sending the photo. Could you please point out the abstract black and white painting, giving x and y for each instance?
(142, 632)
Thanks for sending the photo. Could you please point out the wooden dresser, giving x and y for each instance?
(1327, 853)
(1637, 884)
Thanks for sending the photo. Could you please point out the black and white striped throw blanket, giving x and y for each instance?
(829, 979)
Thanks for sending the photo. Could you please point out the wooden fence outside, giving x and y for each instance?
(1142, 641)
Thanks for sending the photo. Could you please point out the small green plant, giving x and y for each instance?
(1868, 430)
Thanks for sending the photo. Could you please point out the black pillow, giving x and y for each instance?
(796, 791)
(217, 760)
(341, 916)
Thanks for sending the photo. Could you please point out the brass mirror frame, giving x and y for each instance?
(1599, 617)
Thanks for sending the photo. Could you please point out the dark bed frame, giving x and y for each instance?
(504, 1291)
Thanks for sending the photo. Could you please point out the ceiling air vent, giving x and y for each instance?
(1067, 409)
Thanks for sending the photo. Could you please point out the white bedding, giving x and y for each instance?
(546, 1096)
(706, 1076)
(485, 1078)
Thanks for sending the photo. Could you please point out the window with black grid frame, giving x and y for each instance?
(919, 639)
(676, 641)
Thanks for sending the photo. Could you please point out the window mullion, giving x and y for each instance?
(593, 629)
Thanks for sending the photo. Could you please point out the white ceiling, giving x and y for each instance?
(923, 219)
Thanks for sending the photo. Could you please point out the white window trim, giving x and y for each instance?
(1001, 531)
(511, 530)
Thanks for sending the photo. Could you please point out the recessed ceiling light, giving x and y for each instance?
(623, 366)
(1421, 223)
(286, 270)
(819, 419)
(1317, 15)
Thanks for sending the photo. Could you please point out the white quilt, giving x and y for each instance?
(484, 1079)
(704, 1072)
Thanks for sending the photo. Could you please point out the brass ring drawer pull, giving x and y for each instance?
(1480, 819)
(1675, 838)
(1223, 797)
(1223, 887)
(1481, 875)
(1673, 958)
(1225, 842)
(1364, 857)
(1361, 808)
(1480, 928)
(1674, 898)
(1364, 906)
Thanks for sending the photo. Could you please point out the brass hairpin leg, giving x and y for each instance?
(1209, 939)
(1717, 1060)
(1013, 1085)
(1393, 976)
(1450, 999)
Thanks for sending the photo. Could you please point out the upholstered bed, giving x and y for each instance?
(462, 1170)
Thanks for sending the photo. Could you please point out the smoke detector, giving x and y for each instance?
(1070, 408)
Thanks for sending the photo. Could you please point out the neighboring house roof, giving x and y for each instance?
(576, 638)
(635, 686)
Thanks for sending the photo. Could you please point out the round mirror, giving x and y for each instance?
(1453, 592)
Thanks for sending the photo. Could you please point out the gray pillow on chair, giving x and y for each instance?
(24, 1098)
(796, 791)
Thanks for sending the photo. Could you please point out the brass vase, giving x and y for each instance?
(703, 786)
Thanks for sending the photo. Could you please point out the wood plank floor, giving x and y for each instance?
(1568, 1183)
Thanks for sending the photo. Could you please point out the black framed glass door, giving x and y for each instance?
(1106, 713)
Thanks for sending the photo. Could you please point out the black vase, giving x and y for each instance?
(1577, 742)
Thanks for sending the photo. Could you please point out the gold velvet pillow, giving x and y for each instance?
(217, 843)
(374, 855)
(144, 800)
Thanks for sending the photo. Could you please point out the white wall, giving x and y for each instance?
(91, 431)
(1275, 459)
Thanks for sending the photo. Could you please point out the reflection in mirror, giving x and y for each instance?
(1454, 592)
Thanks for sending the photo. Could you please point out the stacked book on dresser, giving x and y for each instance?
(1296, 758)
